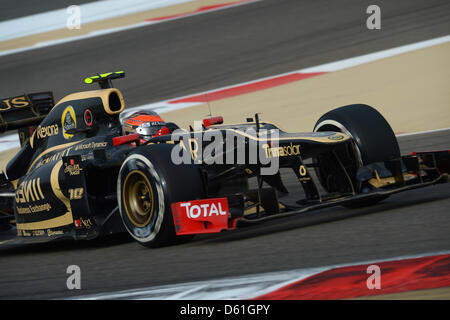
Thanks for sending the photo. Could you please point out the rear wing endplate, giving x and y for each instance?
(24, 113)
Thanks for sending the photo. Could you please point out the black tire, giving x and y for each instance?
(151, 167)
(5, 225)
(373, 136)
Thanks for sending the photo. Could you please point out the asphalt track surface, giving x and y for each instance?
(205, 52)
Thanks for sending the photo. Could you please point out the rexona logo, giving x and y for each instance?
(68, 121)
(48, 131)
(200, 216)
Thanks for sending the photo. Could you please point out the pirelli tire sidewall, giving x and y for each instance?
(169, 182)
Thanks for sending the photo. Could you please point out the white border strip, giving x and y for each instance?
(118, 29)
(420, 132)
(89, 12)
(356, 61)
(243, 287)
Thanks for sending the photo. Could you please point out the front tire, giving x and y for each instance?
(374, 139)
(148, 183)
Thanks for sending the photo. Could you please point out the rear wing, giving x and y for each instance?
(24, 113)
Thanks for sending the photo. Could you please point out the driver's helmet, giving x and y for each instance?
(146, 123)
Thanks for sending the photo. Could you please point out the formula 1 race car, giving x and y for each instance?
(84, 171)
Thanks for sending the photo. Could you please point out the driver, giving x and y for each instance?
(147, 124)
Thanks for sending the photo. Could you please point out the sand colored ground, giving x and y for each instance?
(117, 22)
(431, 294)
(5, 156)
(411, 90)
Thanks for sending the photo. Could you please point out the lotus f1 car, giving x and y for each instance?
(80, 174)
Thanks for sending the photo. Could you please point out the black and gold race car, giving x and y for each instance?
(84, 171)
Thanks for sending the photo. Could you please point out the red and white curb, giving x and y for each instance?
(9, 141)
(96, 11)
(89, 12)
(395, 276)
(202, 10)
(418, 272)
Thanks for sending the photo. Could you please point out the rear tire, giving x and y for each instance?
(373, 137)
(148, 183)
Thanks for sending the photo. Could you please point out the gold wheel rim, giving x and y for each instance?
(138, 198)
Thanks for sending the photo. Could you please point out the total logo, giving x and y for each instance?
(204, 210)
(200, 216)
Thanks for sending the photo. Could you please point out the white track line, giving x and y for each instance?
(242, 287)
(90, 12)
(420, 132)
(356, 61)
(118, 29)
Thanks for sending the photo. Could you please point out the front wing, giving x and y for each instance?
(417, 170)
